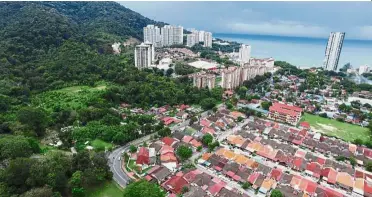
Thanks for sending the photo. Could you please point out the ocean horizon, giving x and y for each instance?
(304, 52)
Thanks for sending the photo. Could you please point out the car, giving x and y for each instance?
(119, 158)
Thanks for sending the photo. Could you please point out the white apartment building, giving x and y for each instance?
(190, 40)
(244, 53)
(152, 50)
(267, 63)
(363, 69)
(142, 56)
(171, 35)
(207, 39)
(197, 37)
(201, 36)
(151, 33)
(230, 77)
(333, 50)
(203, 80)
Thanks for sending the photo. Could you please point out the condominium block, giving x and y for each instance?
(190, 40)
(207, 39)
(204, 80)
(171, 35)
(151, 33)
(142, 56)
(333, 50)
(231, 77)
(244, 53)
(363, 69)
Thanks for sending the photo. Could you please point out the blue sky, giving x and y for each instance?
(303, 19)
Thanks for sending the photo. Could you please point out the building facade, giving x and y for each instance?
(191, 39)
(151, 33)
(245, 53)
(204, 80)
(207, 39)
(143, 56)
(285, 113)
(171, 35)
(363, 69)
(231, 77)
(333, 50)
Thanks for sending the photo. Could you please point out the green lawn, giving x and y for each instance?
(74, 97)
(331, 127)
(97, 143)
(110, 189)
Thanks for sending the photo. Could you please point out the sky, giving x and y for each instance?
(300, 19)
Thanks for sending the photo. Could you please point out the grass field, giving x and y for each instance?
(331, 127)
(110, 189)
(99, 143)
(74, 97)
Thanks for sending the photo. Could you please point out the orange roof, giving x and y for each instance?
(206, 156)
(352, 148)
(220, 151)
(170, 157)
(241, 159)
(236, 114)
(236, 140)
(359, 184)
(267, 184)
(251, 164)
(345, 179)
(295, 182)
(254, 145)
(229, 154)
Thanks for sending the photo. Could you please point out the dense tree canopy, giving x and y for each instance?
(143, 188)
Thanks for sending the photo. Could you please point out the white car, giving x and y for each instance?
(119, 158)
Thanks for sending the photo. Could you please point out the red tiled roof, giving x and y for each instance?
(276, 174)
(285, 109)
(367, 188)
(143, 156)
(183, 107)
(252, 178)
(216, 188)
(230, 174)
(168, 141)
(148, 178)
(236, 178)
(297, 162)
(315, 168)
(321, 161)
(305, 124)
(311, 187)
(208, 130)
(175, 184)
(187, 139)
(367, 152)
(205, 123)
(217, 168)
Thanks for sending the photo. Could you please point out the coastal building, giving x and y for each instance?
(231, 77)
(265, 64)
(285, 113)
(333, 50)
(151, 33)
(204, 80)
(207, 39)
(244, 53)
(142, 56)
(201, 36)
(171, 35)
(191, 39)
(363, 69)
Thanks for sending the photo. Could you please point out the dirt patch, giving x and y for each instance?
(327, 127)
(131, 41)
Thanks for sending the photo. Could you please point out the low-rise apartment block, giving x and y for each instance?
(285, 113)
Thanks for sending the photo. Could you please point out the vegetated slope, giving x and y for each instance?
(43, 43)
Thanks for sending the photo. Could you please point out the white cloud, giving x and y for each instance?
(281, 28)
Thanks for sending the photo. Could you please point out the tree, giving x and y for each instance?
(208, 103)
(265, 105)
(184, 152)
(199, 148)
(276, 193)
(207, 139)
(39, 192)
(34, 118)
(246, 185)
(143, 188)
(242, 91)
(169, 72)
(165, 132)
(132, 149)
(323, 115)
(353, 161)
(358, 141)
(240, 119)
(369, 166)
(185, 189)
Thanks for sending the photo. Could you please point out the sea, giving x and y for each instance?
(302, 52)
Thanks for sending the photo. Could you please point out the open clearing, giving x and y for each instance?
(330, 127)
(109, 189)
(97, 143)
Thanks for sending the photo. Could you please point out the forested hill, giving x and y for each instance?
(36, 38)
